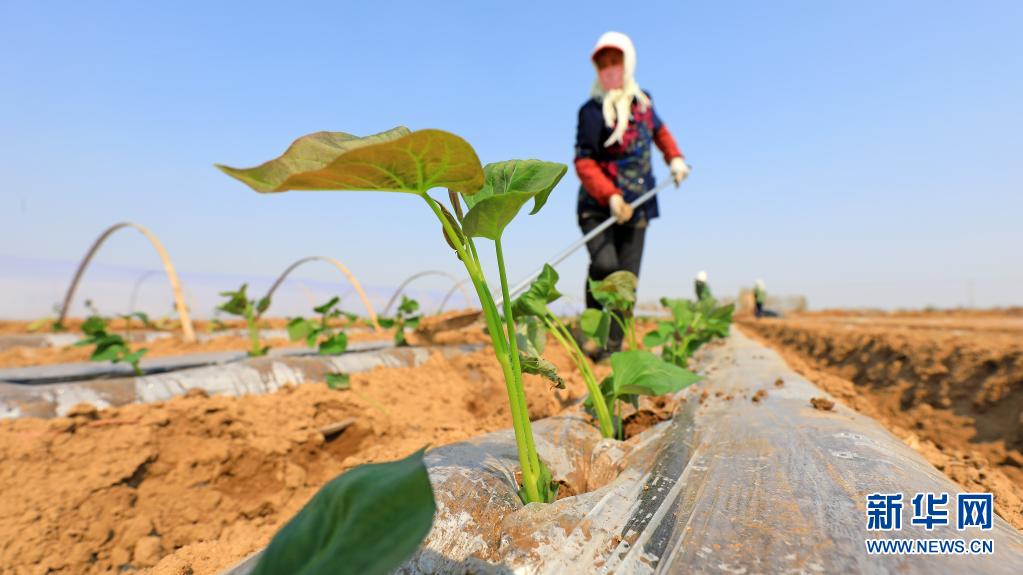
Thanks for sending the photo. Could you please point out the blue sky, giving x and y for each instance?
(862, 154)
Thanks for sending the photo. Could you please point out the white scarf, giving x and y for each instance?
(617, 104)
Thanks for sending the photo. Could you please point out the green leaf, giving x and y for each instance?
(262, 305)
(312, 336)
(617, 291)
(596, 324)
(334, 345)
(386, 322)
(508, 186)
(108, 348)
(392, 161)
(369, 520)
(681, 311)
(660, 335)
(539, 366)
(533, 302)
(94, 325)
(322, 309)
(643, 373)
(408, 305)
(338, 380)
(299, 328)
(237, 301)
(134, 357)
(530, 335)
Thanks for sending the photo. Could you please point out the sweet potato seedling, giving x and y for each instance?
(692, 324)
(240, 305)
(635, 373)
(320, 334)
(109, 347)
(532, 305)
(416, 163)
(617, 296)
(405, 318)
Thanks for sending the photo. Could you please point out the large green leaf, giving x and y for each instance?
(643, 373)
(596, 324)
(367, 521)
(507, 187)
(617, 291)
(392, 161)
(543, 290)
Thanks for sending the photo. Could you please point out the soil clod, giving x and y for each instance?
(822, 403)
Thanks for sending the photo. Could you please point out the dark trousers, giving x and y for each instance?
(616, 248)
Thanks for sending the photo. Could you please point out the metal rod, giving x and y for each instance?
(521, 286)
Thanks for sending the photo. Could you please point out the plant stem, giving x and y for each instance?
(253, 326)
(528, 460)
(564, 337)
(513, 354)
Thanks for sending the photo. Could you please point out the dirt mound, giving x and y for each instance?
(954, 395)
(194, 484)
(20, 356)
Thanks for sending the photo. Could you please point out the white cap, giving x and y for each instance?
(701, 276)
(760, 284)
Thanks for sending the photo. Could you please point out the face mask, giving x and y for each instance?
(612, 77)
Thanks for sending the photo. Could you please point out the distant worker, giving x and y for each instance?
(759, 298)
(702, 289)
(617, 128)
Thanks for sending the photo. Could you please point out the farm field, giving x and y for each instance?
(949, 384)
(196, 483)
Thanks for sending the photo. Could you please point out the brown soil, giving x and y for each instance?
(949, 385)
(195, 484)
(822, 403)
(74, 324)
(20, 356)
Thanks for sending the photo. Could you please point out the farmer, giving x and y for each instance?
(702, 289)
(614, 160)
(759, 298)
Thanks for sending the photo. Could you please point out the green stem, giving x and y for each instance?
(253, 332)
(564, 337)
(528, 460)
(624, 326)
(513, 354)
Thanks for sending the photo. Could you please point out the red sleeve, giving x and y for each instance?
(594, 180)
(666, 143)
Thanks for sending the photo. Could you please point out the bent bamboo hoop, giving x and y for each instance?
(460, 285)
(187, 332)
(340, 266)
